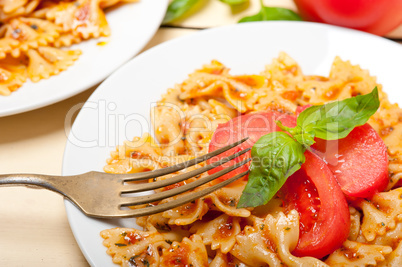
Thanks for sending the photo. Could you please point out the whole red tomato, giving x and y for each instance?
(374, 16)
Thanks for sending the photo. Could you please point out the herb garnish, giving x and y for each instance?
(277, 155)
(179, 9)
(272, 13)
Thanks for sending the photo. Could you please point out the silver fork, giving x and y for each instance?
(103, 195)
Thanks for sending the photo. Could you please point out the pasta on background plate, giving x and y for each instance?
(211, 231)
(36, 33)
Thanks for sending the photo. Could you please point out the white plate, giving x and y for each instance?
(132, 26)
(119, 108)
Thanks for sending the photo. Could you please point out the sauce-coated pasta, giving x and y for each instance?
(184, 121)
(32, 31)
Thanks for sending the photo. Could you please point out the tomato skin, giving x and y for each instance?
(374, 16)
(253, 126)
(329, 227)
(359, 161)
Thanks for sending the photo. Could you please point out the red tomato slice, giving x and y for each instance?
(323, 210)
(359, 161)
(253, 126)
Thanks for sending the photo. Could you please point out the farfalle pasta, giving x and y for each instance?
(130, 246)
(219, 233)
(16, 8)
(30, 33)
(384, 210)
(38, 33)
(358, 254)
(82, 18)
(13, 73)
(47, 61)
(184, 121)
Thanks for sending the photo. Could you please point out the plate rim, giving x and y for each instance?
(207, 30)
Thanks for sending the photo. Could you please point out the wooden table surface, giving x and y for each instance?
(34, 229)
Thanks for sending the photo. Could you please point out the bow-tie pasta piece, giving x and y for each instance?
(47, 61)
(30, 33)
(382, 213)
(220, 233)
(190, 252)
(272, 240)
(12, 74)
(185, 214)
(226, 199)
(83, 18)
(139, 155)
(358, 254)
(132, 247)
(10, 6)
(14, 8)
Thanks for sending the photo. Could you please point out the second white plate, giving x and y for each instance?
(132, 26)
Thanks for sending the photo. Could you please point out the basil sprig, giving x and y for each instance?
(277, 155)
(272, 13)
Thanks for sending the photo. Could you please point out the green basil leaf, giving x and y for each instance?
(337, 119)
(275, 156)
(304, 138)
(178, 8)
(234, 2)
(272, 13)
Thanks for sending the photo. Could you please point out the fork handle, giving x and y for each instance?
(40, 180)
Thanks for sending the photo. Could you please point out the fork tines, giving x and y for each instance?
(179, 166)
(132, 188)
(147, 199)
(180, 201)
(178, 190)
